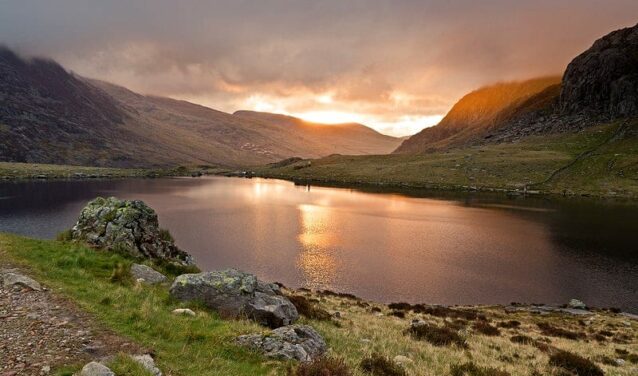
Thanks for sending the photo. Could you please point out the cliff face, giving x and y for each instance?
(599, 85)
(603, 81)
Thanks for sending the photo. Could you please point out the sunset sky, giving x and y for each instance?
(396, 66)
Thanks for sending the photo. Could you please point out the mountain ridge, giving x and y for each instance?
(49, 115)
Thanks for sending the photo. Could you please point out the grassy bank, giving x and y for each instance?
(600, 161)
(26, 171)
(477, 339)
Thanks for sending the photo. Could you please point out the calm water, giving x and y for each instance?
(386, 247)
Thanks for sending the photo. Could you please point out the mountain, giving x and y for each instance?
(600, 85)
(476, 114)
(344, 138)
(48, 115)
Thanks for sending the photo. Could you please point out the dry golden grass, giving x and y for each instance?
(362, 331)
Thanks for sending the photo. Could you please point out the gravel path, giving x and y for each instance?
(39, 331)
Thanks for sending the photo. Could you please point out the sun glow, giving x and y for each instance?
(330, 117)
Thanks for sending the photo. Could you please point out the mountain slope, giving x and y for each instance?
(48, 115)
(478, 112)
(345, 138)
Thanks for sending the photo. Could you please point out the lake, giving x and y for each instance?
(393, 246)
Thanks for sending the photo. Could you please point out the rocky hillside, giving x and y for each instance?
(600, 85)
(49, 115)
(476, 114)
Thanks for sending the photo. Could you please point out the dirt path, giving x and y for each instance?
(615, 136)
(40, 330)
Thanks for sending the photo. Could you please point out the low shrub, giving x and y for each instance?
(308, 309)
(399, 314)
(379, 365)
(511, 324)
(471, 369)
(485, 328)
(437, 336)
(325, 366)
(552, 331)
(574, 363)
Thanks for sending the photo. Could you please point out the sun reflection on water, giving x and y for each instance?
(317, 260)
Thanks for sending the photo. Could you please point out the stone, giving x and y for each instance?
(12, 278)
(620, 362)
(271, 310)
(184, 312)
(292, 342)
(127, 226)
(147, 274)
(148, 363)
(576, 304)
(234, 294)
(96, 369)
(402, 360)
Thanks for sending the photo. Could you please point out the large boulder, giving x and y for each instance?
(604, 79)
(233, 294)
(127, 226)
(293, 342)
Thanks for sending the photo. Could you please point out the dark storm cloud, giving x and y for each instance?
(382, 59)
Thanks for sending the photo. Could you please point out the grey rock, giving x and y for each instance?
(233, 293)
(96, 369)
(271, 310)
(184, 312)
(147, 274)
(126, 226)
(13, 278)
(293, 342)
(148, 363)
(576, 304)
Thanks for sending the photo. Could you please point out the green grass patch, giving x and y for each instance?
(97, 282)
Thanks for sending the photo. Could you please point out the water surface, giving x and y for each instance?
(457, 249)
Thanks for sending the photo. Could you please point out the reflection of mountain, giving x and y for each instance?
(316, 259)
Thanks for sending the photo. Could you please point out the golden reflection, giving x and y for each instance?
(317, 258)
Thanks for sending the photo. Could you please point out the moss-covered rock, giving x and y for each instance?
(126, 226)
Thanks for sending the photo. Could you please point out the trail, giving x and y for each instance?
(617, 133)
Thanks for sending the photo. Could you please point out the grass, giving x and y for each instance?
(203, 345)
(611, 170)
(379, 365)
(24, 171)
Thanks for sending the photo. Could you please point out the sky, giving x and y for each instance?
(395, 65)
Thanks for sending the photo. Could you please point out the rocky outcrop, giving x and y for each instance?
(233, 294)
(127, 226)
(603, 81)
(293, 342)
(146, 274)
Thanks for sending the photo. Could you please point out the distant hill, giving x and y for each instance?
(599, 85)
(345, 138)
(476, 114)
(48, 115)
